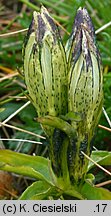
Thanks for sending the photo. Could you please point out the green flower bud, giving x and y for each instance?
(85, 93)
(85, 75)
(45, 66)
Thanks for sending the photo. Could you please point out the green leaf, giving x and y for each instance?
(37, 191)
(101, 157)
(8, 109)
(32, 166)
(91, 192)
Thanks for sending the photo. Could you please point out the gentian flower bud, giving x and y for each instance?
(85, 93)
(45, 66)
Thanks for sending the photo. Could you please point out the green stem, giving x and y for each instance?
(58, 147)
(63, 182)
(64, 162)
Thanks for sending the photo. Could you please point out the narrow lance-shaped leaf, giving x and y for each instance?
(27, 165)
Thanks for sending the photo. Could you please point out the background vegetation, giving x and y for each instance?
(14, 16)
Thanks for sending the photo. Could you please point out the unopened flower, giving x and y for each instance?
(45, 66)
(85, 76)
(85, 93)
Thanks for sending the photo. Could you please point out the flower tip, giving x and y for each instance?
(44, 11)
(35, 14)
(82, 15)
(83, 11)
(83, 20)
(80, 8)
